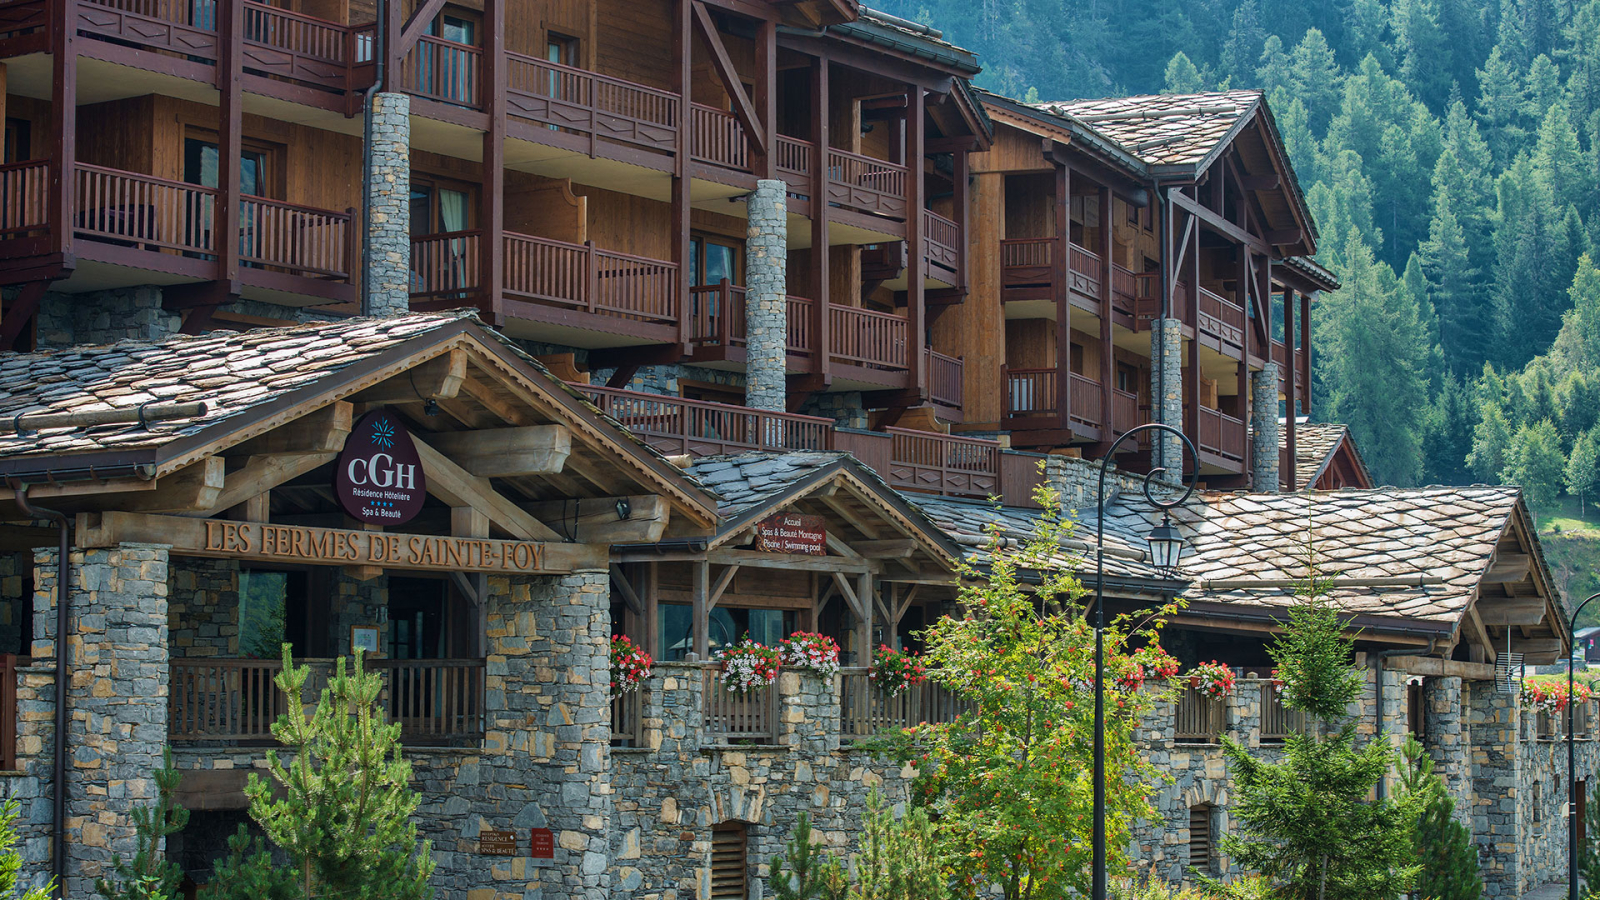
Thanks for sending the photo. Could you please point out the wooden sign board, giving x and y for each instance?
(542, 844)
(792, 533)
(497, 843)
(336, 547)
(379, 478)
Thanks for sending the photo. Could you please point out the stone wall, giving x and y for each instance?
(766, 306)
(388, 272)
(1264, 428)
(203, 608)
(358, 602)
(16, 602)
(845, 408)
(1078, 481)
(104, 317)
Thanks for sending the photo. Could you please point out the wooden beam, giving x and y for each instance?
(848, 592)
(1430, 665)
(320, 431)
(901, 548)
(619, 580)
(720, 587)
(743, 109)
(845, 513)
(1475, 625)
(700, 575)
(1280, 237)
(1259, 182)
(1218, 223)
(415, 27)
(437, 379)
(191, 489)
(840, 547)
(791, 561)
(1521, 611)
(507, 452)
(458, 487)
(1537, 646)
(1508, 568)
(263, 473)
(595, 520)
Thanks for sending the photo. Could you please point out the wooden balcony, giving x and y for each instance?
(1221, 319)
(865, 710)
(1221, 435)
(574, 285)
(564, 104)
(945, 378)
(1198, 719)
(1126, 413)
(234, 701)
(717, 323)
(1028, 272)
(1033, 402)
(942, 247)
(866, 185)
(942, 463)
(729, 716)
(444, 71)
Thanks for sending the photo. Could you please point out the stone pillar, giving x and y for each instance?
(808, 711)
(388, 272)
(1264, 429)
(118, 703)
(766, 321)
(1497, 810)
(1441, 712)
(1166, 386)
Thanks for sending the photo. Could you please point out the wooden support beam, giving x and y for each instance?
(458, 487)
(439, 378)
(320, 431)
(257, 508)
(195, 488)
(723, 582)
(1519, 611)
(900, 548)
(821, 334)
(700, 576)
(864, 592)
(1219, 224)
(1537, 646)
(619, 581)
(1474, 624)
(743, 109)
(230, 146)
(415, 28)
(20, 312)
(263, 473)
(1259, 182)
(791, 561)
(840, 547)
(846, 513)
(1283, 236)
(596, 520)
(848, 593)
(916, 246)
(491, 195)
(507, 452)
(1509, 568)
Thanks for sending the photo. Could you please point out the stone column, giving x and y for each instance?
(1441, 712)
(388, 272)
(1166, 389)
(1264, 429)
(117, 702)
(1492, 723)
(766, 322)
(808, 712)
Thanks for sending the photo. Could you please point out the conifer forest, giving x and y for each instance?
(1450, 151)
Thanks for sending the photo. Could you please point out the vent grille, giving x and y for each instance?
(1200, 845)
(728, 851)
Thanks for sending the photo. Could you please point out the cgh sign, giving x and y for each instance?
(378, 474)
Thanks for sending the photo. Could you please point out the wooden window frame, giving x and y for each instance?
(709, 237)
(436, 183)
(274, 181)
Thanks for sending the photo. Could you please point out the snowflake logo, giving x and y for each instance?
(383, 434)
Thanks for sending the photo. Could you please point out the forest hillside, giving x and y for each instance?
(1450, 151)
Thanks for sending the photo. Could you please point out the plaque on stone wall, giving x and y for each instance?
(542, 844)
(378, 476)
(792, 533)
(497, 843)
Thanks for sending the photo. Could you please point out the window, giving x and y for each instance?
(437, 209)
(445, 72)
(200, 166)
(728, 861)
(713, 258)
(1201, 848)
(560, 49)
(18, 141)
(274, 610)
(454, 27)
(1127, 378)
(725, 626)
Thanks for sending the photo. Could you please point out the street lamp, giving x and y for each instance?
(1166, 546)
(1572, 757)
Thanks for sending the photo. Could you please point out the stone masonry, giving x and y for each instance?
(1264, 428)
(765, 305)
(105, 317)
(1166, 382)
(388, 273)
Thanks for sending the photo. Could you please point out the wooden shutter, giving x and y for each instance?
(1200, 848)
(728, 844)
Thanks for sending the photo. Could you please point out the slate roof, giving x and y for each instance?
(1314, 446)
(1164, 129)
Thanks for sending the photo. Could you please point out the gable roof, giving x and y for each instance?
(1316, 445)
(1165, 129)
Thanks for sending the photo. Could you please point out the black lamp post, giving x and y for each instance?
(1572, 762)
(1166, 546)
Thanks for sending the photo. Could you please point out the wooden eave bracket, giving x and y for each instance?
(723, 63)
(416, 25)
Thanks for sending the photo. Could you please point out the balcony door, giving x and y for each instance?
(200, 158)
(441, 264)
(449, 71)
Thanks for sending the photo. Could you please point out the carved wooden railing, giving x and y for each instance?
(733, 716)
(24, 17)
(236, 700)
(943, 464)
(866, 337)
(1086, 271)
(1031, 393)
(865, 184)
(1221, 434)
(795, 160)
(717, 315)
(864, 710)
(1128, 288)
(444, 70)
(1125, 413)
(716, 137)
(301, 239)
(634, 287)
(675, 425)
(24, 196)
(182, 27)
(942, 244)
(444, 265)
(1197, 719)
(1221, 317)
(299, 47)
(945, 378)
(142, 211)
(588, 103)
(1086, 401)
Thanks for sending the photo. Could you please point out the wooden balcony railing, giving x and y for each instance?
(1031, 393)
(1028, 253)
(865, 184)
(1125, 413)
(1197, 719)
(1086, 271)
(634, 287)
(717, 318)
(731, 716)
(945, 378)
(134, 210)
(795, 160)
(1086, 401)
(943, 464)
(716, 137)
(175, 26)
(866, 337)
(444, 265)
(864, 710)
(444, 70)
(24, 17)
(800, 326)
(214, 700)
(1221, 317)
(9, 713)
(301, 48)
(24, 196)
(942, 244)
(1221, 434)
(627, 719)
(676, 426)
(1278, 721)
(1128, 288)
(606, 108)
(301, 239)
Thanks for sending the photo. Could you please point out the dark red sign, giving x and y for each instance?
(379, 476)
(497, 843)
(792, 533)
(542, 844)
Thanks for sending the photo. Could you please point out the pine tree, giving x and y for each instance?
(1500, 105)
(1182, 76)
(1491, 444)
(1583, 468)
(1272, 75)
(1243, 46)
(150, 875)
(1420, 46)
(1589, 854)
(11, 860)
(1452, 286)
(1535, 462)
(1315, 78)
(899, 857)
(804, 871)
(1443, 846)
(1447, 434)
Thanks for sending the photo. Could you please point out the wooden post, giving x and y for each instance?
(64, 112)
(1107, 427)
(702, 609)
(491, 243)
(864, 626)
(682, 76)
(916, 248)
(228, 223)
(652, 609)
(1061, 280)
(1291, 361)
(395, 23)
(467, 521)
(961, 172)
(766, 96)
(821, 337)
(1192, 387)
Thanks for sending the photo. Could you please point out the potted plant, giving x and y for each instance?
(809, 650)
(630, 665)
(748, 665)
(1213, 679)
(895, 670)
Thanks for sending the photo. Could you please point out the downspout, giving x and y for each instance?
(58, 837)
(379, 51)
(1382, 711)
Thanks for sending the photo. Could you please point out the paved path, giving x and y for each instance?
(1548, 892)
